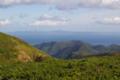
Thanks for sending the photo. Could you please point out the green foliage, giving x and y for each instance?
(94, 68)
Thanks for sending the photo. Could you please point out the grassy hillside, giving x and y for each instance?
(14, 49)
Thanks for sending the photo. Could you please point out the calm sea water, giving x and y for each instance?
(105, 38)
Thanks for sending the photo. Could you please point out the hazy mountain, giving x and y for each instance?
(76, 49)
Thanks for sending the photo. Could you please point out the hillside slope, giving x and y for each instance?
(14, 49)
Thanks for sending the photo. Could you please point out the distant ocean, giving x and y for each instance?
(105, 38)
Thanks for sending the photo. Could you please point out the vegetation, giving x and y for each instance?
(13, 49)
(32, 64)
(100, 68)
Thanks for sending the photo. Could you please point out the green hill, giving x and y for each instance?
(14, 49)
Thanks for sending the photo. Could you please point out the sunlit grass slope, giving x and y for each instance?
(14, 49)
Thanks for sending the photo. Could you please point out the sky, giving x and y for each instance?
(65, 15)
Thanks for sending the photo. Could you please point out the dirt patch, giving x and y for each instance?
(23, 57)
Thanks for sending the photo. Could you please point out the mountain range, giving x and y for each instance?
(76, 49)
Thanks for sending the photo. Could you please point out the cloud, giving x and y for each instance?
(65, 4)
(115, 20)
(47, 20)
(4, 22)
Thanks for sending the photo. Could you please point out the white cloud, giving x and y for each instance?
(47, 23)
(47, 20)
(66, 4)
(115, 20)
(4, 22)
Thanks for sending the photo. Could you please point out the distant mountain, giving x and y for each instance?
(13, 49)
(76, 49)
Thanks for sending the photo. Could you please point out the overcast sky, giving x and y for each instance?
(67, 15)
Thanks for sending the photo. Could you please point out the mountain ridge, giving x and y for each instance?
(76, 49)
